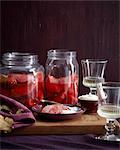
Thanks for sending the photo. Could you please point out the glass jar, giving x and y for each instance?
(22, 78)
(62, 75)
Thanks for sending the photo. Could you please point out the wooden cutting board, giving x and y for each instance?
(83, 125)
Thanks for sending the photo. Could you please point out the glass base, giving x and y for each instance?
(111, 137)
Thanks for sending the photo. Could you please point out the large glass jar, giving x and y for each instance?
(22, 78)
(62, 75)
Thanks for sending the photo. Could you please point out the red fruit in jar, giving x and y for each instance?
(40, 94)
(52, 79)
(64, 87)
(67, 83)
(64, 83)
(50, 96)
(40, 76)
(72, 99)
(60, 98)
(52, 85)
(62, 90)
(40, 86)
(22, 77)
(65, 80)
(18, 91)
(11, 80)
(73, 90)
(22, 89)
(53, 88)
(72, 94)
(74, 78)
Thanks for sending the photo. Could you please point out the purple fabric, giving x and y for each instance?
(56, 142)
(25, 118)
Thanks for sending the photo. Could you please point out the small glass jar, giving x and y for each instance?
(22, 78)
(62, 76)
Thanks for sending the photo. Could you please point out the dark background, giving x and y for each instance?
(90, 28)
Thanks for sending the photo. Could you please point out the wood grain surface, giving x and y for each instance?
(84, 125)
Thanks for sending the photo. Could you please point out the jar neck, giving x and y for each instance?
(61, 54)
(19, 59)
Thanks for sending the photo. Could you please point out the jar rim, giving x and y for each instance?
(19, 58)
(94, 60)
(62, 50)
(61, 53)
(18, 54)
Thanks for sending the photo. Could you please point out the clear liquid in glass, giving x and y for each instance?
(92, 81)
(109, 111)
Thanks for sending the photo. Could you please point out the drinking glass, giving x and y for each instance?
(93, 73)
(109, 108)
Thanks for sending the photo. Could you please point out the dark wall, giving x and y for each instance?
(90, 28)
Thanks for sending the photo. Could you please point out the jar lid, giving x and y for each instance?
(61, 53)
(18, 58)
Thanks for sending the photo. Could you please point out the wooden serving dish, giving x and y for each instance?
(85, 124)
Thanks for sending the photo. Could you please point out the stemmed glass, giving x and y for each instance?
(109, 108)
(93, 73)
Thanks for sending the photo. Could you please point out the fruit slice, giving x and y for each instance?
(40, 76)
(62, 90)
(13, 78)
(60, 98)
(22, 89)
(52, 85)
